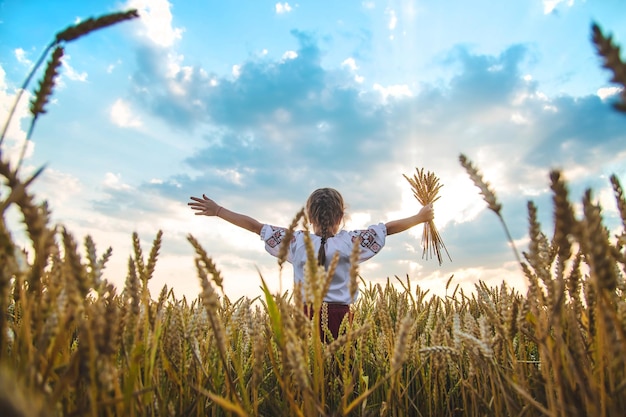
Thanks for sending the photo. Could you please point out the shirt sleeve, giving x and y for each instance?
(372, 240)
(273, 237)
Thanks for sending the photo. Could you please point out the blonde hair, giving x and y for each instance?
(325, 211)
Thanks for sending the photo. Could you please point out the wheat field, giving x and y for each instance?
(72, 344)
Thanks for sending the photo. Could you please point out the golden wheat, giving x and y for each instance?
(70, 345)
(425, 186)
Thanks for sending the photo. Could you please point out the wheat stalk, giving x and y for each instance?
(44, 92)
(426, 187)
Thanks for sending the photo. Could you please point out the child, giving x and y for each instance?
(325, 210)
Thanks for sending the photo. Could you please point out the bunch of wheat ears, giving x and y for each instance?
(426, 187)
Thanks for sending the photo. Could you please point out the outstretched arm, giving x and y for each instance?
(206, 207)
(426, 214)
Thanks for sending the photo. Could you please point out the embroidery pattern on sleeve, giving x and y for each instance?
(276, 237)
(368, 240)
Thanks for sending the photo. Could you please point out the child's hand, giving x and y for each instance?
(427, 213)
(204, 206)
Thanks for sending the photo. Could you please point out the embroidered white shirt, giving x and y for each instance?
(372, 241)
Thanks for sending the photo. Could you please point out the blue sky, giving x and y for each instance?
(257, 103)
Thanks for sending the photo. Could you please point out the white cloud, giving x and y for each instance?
(460, 202)
(121, 115)
(70, 72)
(350, 63)
(156, 19)
(236, 71)
(173, 64)
(290, 55)
(393, 91)
(368, 5)
(114, 182)
(21, 57)
(358, 220)
(178, 74)
(607, 92)
(282, 8)
(59, 186)
(14, 135)
(518, 119)
(606, 198)
(550, 5)
(393, 19)
(111, 67)
(282, 116)
(231, 175)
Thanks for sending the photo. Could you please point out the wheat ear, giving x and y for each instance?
(69, 34)
(489, 196)
(612, 61)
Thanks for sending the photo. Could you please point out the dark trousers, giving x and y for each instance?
(336, 314)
